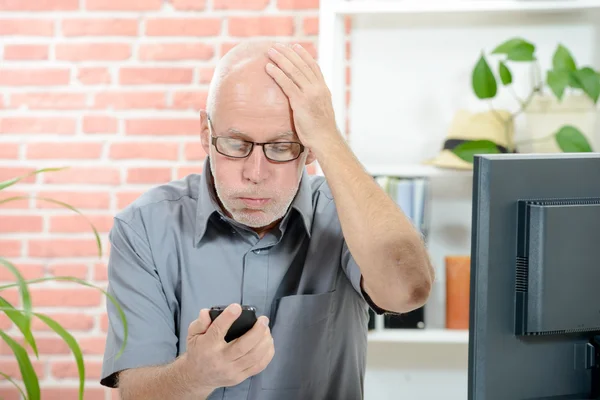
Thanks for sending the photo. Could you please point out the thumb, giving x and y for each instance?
(200, 325)
(223, 322)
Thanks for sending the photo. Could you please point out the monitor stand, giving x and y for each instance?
(595, 342)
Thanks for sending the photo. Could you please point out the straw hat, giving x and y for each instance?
(466, 126)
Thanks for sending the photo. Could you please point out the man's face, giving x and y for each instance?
(254, 191)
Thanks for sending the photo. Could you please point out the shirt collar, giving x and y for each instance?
(208, 204)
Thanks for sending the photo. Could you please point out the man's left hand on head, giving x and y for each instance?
(300, 78)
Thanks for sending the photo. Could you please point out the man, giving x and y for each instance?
(310, 253)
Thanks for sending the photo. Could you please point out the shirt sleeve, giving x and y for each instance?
(134, 283)
(355, 276)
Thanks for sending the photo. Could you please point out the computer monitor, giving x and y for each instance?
(535, 284)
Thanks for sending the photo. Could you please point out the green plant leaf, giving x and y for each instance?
(73, 345)
(521, 53)
(467, 150)
(571, 140)
(21, 322)
(483, 80)
(589, 82)
(25, 296)
(563, 60)
(558, 80)
(84, 283)
(30, 379)
(505, 74)
(512, 44)
(60, 203)
(10, 182)
(8, 378)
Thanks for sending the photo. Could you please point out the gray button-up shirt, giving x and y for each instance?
(173, 252)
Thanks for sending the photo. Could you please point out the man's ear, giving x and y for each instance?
(204, 132)
(310, 157)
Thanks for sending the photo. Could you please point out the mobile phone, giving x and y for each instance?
(241, 325)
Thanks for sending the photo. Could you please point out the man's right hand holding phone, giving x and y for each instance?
(214, 363)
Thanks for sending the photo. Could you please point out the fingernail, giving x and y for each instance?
(297, 45)
(234, 309)
(265, 321)
(279, 44)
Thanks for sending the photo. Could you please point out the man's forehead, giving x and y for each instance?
(258, 134)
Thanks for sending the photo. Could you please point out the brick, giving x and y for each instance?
(48, 101)
(261, 26)
(99, 124)
(21, 223)
(93, 76)
(39, 5)
(123, 5)
(205, 75)
(35, 77)
(69, 321)
(126, 198)
(148, 175)
(9, 151)
(79, 271)
(85, 175)
(7, 173)
(92, 345)
(29, 52)
(130, 100)
(60, 151)
(225, 47)
(10, 248)
(26, 27)
(104, 322)
(310, 25)
(25, 125)
(297, 4)
(11, 368)
(13, 297)
(93, 51)
(79, 224)
(5, 324)
(176, 51)
(29, 271)
(240, 4)
(309, 47)
(68, 369)
(188, 5)
(348, 75)
(194, 151)
(62, 393)
(20, 204)
(190, 100)
(145, 151)
(162, 127)
(163, 76)
(79, 200)
(100, 272)
(63, 248)
(100, 27)
(9, 393)
(183, 27)
(182, 172)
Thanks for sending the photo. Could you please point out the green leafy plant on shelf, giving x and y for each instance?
(22, 317)
(564, 74)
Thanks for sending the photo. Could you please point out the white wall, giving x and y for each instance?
(409, 76)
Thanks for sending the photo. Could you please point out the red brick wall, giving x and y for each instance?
(111, 89)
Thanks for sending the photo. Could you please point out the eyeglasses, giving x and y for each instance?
(239, 148)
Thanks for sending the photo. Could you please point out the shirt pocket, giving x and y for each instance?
(302, 340)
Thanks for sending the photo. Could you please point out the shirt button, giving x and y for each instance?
(256, 251)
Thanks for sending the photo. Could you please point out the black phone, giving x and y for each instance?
(243, 324)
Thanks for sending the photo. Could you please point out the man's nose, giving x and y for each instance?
(256, 165)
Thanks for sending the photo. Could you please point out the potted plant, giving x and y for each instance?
(549, 94)
(22, 317)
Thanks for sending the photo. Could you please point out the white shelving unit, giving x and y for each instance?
(440, 336)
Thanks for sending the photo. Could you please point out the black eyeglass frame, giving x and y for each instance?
(213, 141)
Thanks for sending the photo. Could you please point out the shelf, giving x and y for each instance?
(460, 6)
(415, 170)
(440, 336)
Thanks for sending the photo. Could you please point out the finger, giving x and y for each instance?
(308, 60)
(297, 60)
(286, 65)
(244, 344)
(200, 325)
(255, 355)
(262, 364)
(289, 88)
(219, 327)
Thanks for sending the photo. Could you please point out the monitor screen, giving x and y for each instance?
(534, 330)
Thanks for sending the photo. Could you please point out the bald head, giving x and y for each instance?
(241, 73)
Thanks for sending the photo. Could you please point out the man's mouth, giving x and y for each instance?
(254, 201)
